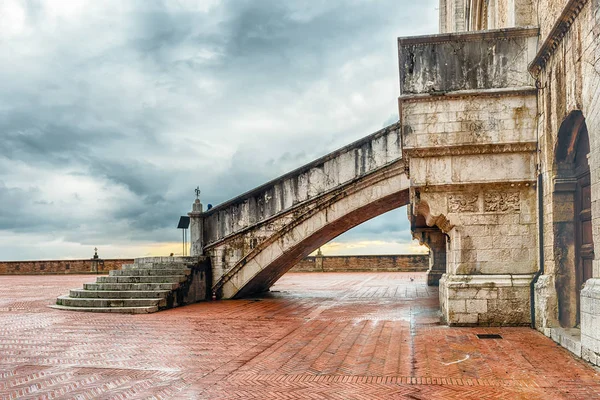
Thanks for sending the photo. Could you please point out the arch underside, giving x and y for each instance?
(270, 274)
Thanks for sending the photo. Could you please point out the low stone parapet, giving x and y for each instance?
(56, 267)
(362, 263)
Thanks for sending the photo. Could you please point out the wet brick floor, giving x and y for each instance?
(317, 336)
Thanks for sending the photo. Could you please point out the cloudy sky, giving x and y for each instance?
(112, 112)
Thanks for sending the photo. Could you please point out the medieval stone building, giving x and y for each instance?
(501, 125)
(497, 151)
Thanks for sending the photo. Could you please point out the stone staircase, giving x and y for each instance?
(148, 285)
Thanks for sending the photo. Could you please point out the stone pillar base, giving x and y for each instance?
(488, 300)
(546, 305)
(590, 321)
(433, 277)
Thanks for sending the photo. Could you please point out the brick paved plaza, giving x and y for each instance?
(317, 336)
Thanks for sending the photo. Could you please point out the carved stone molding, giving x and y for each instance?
(556, 35)
(500, 186)
(501, 202)
(465, 94)
(565, 184)
(463, 202)
(433, 220)
(468, 149)
(474, 36)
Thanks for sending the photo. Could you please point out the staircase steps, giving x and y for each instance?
(118, 294)
(130, 286)
(100, 302)
(149, 272)
(148, 285)
(141, 279)
(120, 310)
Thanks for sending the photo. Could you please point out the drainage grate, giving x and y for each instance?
(488, 336)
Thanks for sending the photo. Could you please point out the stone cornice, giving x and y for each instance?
(560, 28)
(461, 94)
(467, 149)
(474, 187)
(497, 34)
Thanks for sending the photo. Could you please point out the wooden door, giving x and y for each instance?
(584, 244)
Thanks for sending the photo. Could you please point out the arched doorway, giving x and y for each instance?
(573, 247)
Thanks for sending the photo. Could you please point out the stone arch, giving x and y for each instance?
(434, 239)
(476, 15)
(573, 244)
(267, 262)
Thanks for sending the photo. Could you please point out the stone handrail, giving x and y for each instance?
(303, 184)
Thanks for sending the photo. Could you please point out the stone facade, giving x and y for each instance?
(388, 263)
(470, 141)
(550, 226)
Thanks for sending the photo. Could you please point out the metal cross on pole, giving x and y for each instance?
(198, 191)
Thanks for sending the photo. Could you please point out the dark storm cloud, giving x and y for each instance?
(38, 139)
(111, 113)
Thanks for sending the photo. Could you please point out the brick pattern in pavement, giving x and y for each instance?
(315, 336)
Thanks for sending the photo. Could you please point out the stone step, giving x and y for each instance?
(143, 287)
(141, 279)
(119, 294)
(150, 272)
(146, 266)
(104, 303)
(168, 260)
(120, 310)
(130, 286)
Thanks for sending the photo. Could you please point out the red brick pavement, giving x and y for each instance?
(316, 336)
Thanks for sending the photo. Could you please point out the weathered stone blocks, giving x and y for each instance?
(590, 321)
(493, 300)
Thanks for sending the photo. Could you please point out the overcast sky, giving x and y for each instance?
(112, 112)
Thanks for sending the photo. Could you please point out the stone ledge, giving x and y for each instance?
(503, 280)
(471, 149)
(174, 259)
(495, 34)
(591, 289)
(461, 94)
(570, 339)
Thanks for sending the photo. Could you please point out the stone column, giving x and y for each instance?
(436, 242)
(196, 227)
(319, 261)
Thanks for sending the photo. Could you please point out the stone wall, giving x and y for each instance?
(402, 262)
(42, 267)
(567, 70)
(471, 145)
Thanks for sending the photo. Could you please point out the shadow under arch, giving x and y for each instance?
(572, 226)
